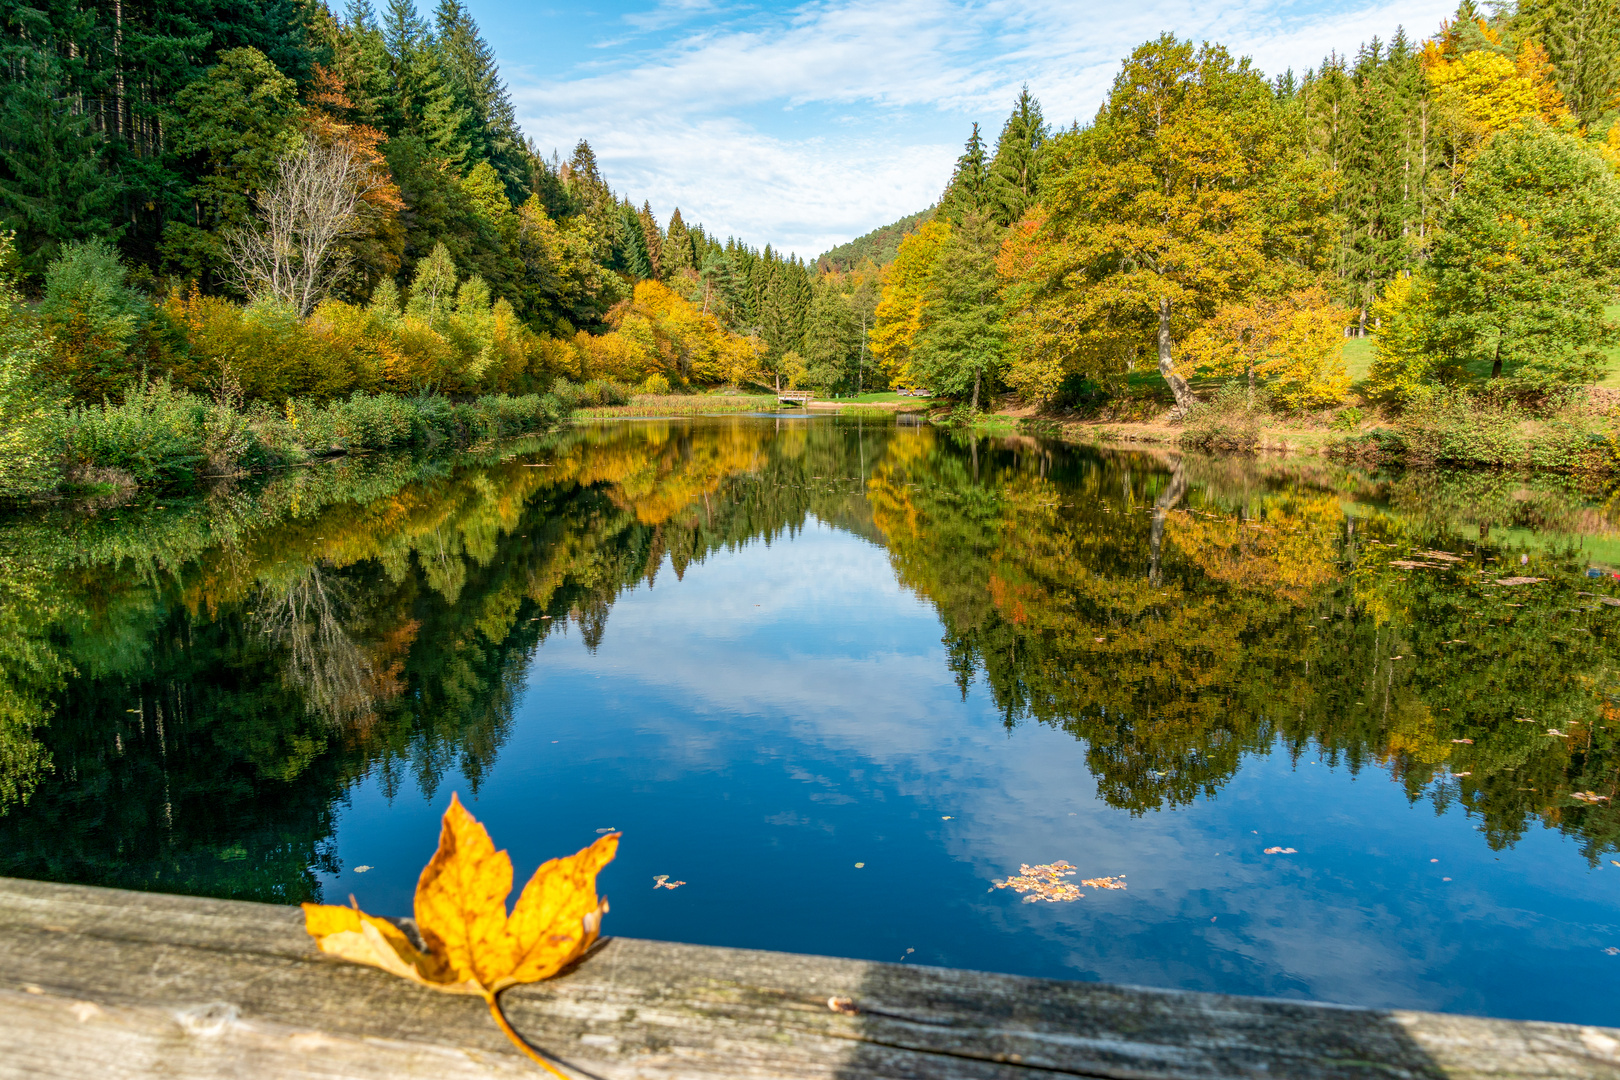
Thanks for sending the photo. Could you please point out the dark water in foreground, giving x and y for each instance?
(839, 679)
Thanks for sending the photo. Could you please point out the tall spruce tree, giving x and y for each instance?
(1582, 39)
(53, 188)
(678, 252)
(427, 103)
(969, 191)
(653, 239)
(1015, 172)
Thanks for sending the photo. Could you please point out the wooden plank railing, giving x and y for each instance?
(105, 983)
(795, 397)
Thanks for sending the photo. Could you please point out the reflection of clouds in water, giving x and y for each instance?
(872, 697)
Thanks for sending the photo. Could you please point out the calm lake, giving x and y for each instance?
(842, 677)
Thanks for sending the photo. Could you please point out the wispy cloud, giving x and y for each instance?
(805, 126)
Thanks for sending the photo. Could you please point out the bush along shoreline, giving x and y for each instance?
(160, 435)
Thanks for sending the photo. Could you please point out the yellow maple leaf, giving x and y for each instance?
(471, 945)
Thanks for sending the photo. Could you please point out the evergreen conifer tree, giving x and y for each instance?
(1015, 172)
(969, 191)
(1582, 39)
(678, 254)
(427, 103)
(958, 351)
(53, 188)
(653, 240)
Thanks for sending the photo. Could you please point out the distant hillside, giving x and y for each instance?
(879, 245)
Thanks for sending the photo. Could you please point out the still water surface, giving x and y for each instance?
(841, 678)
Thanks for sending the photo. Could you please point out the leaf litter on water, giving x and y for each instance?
(1045, 882)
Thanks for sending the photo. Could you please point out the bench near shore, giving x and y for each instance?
(104, 983)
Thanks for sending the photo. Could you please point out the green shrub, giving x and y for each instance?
(156, 435)
(597, 392)
(1228, 421)
(1445, 425)
(94, 319)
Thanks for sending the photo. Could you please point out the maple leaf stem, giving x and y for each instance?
(520, 1042)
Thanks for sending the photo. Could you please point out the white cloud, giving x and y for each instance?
(713, 119)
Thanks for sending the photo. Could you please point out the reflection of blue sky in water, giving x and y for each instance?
(759, 752)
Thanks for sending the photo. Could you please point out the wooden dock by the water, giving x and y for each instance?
(107, 984)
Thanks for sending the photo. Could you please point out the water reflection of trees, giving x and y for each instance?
(1177, 631)
(378, 619)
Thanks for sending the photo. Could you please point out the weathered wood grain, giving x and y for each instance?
(106, 983)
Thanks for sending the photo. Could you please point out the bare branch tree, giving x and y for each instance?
(293, 253)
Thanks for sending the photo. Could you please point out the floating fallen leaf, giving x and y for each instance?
(1443, 556)
(1445, 879)
(1612, 951)
(1462, 774)
(1590, 796)
(662, 882)
(945, 817)
(609, 829)
(1045, 882)
(1281, 851)
(470, 944)
(1469, 742)
(859, 865)
(361, 869)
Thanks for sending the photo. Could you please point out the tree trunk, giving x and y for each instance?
(1167, 367)
(1167, 501)
(1361, 328)
(976, 376)
(1496, 362)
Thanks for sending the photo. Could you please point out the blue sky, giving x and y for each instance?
(803, 125)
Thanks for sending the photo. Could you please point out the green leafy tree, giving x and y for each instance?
(1190, 189)
(29, 409)
(433, 289)
(959, 346)
(240, 119)
(1527, 257)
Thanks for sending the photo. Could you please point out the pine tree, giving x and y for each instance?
(475, 79)
(427, 105)
(969, 191)
(653, 240)
(1582, 39)
(678, 252)
(53, 188)
(1015, 172)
